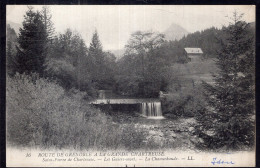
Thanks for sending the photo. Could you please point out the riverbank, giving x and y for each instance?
(161, 133)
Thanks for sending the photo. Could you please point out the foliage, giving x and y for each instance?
(11, 41)
(67, 51)
(141, 70)
(100, 65)
(231, 99)
(32, 44)
(41, 113)
(74, 65)
(48, 24)
(185, 102)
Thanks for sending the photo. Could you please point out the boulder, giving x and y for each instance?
(173, 135)
(192, 129)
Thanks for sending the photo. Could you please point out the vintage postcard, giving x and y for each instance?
(130, 85)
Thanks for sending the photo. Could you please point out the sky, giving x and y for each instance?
(115, 23)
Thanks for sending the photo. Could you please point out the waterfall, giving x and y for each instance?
(152, 110)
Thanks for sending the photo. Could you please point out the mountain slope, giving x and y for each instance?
(175, 32)
(13, 25)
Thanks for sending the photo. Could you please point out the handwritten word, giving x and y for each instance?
(219, 161)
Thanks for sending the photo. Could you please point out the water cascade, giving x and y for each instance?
(152, 110)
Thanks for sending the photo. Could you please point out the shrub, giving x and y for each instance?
(184, 102)
(37, 108)
(41, 113)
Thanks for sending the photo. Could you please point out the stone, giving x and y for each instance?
(201, 140)
(173, 135)
(192, 129)
(152, 132)
(210, 132)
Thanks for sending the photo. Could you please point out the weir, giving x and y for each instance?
(150, 108)
(123, 101)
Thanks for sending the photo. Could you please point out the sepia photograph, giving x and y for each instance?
(130, 85)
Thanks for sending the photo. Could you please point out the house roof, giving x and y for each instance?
(193, 50)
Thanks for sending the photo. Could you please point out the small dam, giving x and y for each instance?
(148, 107)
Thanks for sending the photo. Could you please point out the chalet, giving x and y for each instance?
(194, 54)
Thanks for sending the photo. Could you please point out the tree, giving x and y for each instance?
(48, 24)
(83, 80)
(11, 41)
(95, 49)
(141, 65)
(227, 123)
(32, 44)
(67, 60)
(141, 43)
(110, 71)
(50, 30)
(96, 61)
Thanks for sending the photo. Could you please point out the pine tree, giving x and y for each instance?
(48, 24)
(227, 123)
(82, 74)
(32, 44)
(95, 49)
(50, 31)
(96, 61)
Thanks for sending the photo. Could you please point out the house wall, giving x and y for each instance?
(195, 57)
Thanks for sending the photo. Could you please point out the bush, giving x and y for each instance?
(40, 113)
(184, 102)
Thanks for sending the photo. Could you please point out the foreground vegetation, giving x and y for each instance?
(42, 114)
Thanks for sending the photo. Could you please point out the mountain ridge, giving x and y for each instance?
(15, 26)
(175, 32)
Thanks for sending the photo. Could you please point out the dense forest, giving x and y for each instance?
(65, 72)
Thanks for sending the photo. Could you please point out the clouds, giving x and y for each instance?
(115, 23)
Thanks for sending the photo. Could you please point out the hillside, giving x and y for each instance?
(13, 25)
(195, 71)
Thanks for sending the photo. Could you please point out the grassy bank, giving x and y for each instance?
(42, 114)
